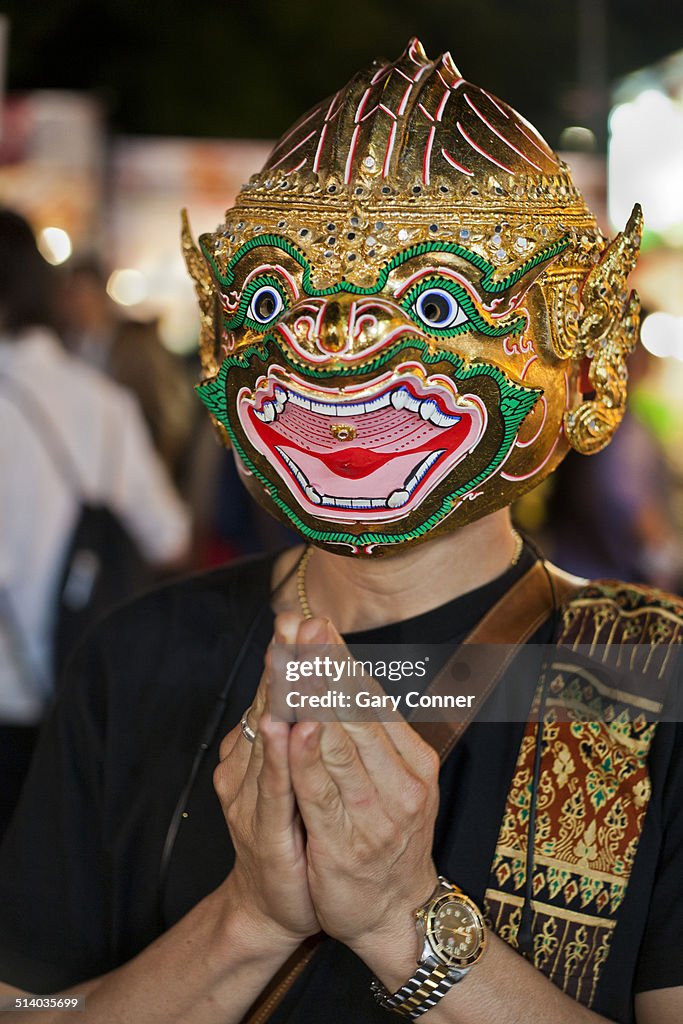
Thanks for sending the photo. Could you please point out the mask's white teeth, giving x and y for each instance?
(442, 420)
(398, 498)
(355, 409)
(381, 402)
(299, 400)
(266, 413)
(429, 410)
(399, 397)
(422, 469)
(280, 399)
(357, 503)
(293, 468)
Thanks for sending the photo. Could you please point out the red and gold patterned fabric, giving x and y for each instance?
(599, 701)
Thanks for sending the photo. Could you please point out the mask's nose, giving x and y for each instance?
(344, 326)
(334, 325)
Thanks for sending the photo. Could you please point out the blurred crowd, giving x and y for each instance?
(615, 515)
(112, 481)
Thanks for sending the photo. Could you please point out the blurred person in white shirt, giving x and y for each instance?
(99, 428)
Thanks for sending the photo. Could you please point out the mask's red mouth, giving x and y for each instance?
(368, 452)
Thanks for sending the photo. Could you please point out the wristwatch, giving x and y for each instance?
(452, 938)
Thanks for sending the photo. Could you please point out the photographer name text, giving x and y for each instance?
(365, 699)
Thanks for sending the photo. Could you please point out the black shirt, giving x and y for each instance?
(80, 887)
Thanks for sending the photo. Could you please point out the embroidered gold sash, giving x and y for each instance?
(594, 785)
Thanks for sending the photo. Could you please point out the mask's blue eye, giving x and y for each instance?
(437, 308)
(266, 304)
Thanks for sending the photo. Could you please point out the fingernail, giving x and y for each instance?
(314, 631)
(285, 628)
(313, 738)
(311, 733)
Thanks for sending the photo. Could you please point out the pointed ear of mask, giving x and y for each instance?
(607, 334)
(208, 314)
(206, 294)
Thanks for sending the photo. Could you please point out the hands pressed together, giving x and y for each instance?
(332, 822)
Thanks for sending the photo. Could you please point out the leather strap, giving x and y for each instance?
(486, 653)
(280, 983)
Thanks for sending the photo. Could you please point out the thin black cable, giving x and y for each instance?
(525, 938)
(209, 734)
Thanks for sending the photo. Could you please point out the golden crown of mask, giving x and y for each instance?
(407, 152)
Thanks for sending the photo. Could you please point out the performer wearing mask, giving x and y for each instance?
(408, 318)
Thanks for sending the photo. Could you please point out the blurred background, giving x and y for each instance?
(115, 114)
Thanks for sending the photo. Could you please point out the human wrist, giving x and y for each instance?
(451, 938)
(247, 929)
(391, 949)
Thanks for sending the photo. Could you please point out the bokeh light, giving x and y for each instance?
(662, 335)
(54, 245)
(127, 287)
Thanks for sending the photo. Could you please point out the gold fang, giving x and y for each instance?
(342, 431)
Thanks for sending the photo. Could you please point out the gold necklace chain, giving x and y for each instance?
(519, 547)
(301, 582)
(308, 551)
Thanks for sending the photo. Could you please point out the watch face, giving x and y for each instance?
(456, 931)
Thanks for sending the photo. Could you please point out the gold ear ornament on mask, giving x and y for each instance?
(209, 316)
(607, 334)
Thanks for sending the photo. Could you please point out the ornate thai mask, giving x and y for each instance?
(410, 314)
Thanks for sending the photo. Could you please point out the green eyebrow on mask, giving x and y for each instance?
(227, 279)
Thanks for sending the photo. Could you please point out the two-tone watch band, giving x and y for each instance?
(441, 962)
(424, 990)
